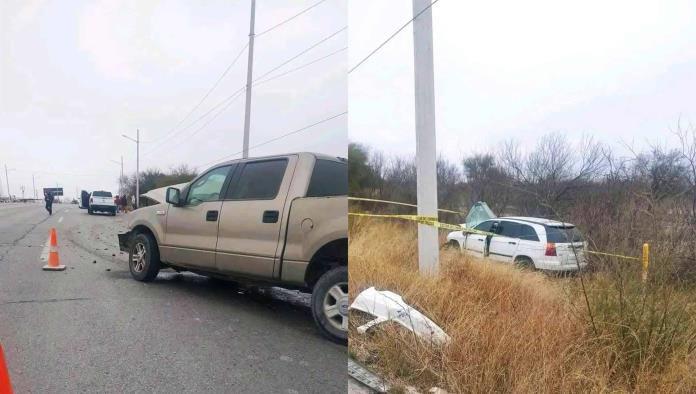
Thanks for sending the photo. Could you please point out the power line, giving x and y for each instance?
(257, 82)
(238, 94)
(392, 36)
(232, 96)
(215, 116)
(172, 131)
(277, 138)
(289, 19)
(303, 52)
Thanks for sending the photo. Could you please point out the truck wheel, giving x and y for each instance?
(89, 211)
(330, 304)
(143, 258)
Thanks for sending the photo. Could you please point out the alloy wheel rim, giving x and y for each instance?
(138, 260)
(336, 306)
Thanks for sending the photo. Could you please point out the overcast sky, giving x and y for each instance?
(621, 71)
(75, 75)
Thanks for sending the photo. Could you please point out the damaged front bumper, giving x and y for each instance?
(124, 241)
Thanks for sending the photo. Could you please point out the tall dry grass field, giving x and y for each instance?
(519, 331)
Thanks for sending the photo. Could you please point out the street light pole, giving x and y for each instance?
(426, 165)
(137, 166)
(250, 67)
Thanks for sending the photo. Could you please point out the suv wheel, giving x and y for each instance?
(143, 258)
(525, 263)
(330, 304)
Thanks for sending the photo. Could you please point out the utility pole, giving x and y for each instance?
(137, 166)
(250, 67)
(33, 183)
(426, 171)
(9, 195)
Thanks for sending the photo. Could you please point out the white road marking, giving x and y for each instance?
(60, 220)
(44, 251)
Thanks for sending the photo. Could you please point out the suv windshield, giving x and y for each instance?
(101, 194)
(562, 234)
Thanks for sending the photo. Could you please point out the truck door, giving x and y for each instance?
(192, 228)
(251, 217)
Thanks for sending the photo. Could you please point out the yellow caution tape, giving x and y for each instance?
(433, 221)
(613, 255)
(429, 220)
(400, 203)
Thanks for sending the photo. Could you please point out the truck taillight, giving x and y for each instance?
(91, 200)
(550, 249)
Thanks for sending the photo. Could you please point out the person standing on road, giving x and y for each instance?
(49, 203)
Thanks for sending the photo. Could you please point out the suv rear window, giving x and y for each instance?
(562, 234)
(527, 233)
(329, 178)
(101, 194)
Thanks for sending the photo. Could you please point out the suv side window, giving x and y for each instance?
(259, 180)
(527, 233)
(509, 229)
(208, 187)
(329, 178)
(484, 226)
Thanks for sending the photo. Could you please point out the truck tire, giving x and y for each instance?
(143, 258)
(89, 211)
(330, 304)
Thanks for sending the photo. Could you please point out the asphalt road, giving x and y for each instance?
(91, 328)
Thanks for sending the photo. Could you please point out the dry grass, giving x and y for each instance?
(512, 331)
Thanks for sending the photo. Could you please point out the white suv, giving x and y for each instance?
(533, 242)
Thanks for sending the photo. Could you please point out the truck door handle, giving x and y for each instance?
(512, 243)
(211, 216)
(270, 216)
(480, 240)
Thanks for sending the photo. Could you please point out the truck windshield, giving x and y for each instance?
(101, 194)
(563, 234)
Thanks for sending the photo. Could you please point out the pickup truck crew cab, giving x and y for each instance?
(279, 220)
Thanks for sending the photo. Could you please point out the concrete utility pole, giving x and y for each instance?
(426, 171)
(9, 195)
(137, 166)
(250, 68)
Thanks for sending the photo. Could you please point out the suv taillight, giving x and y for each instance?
(550, 249)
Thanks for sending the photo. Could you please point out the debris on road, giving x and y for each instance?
(388, 306)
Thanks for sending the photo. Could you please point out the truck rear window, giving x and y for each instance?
(329, 178)
(562, 234)
(101, 194)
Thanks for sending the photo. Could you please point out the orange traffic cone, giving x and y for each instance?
(53, 259)
(5, 385)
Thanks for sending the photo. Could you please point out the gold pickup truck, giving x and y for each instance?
(279, 220)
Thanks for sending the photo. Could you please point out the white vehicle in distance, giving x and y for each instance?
(525, 241)
(101, 201)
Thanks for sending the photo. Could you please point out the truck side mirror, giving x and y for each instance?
(173, 196)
